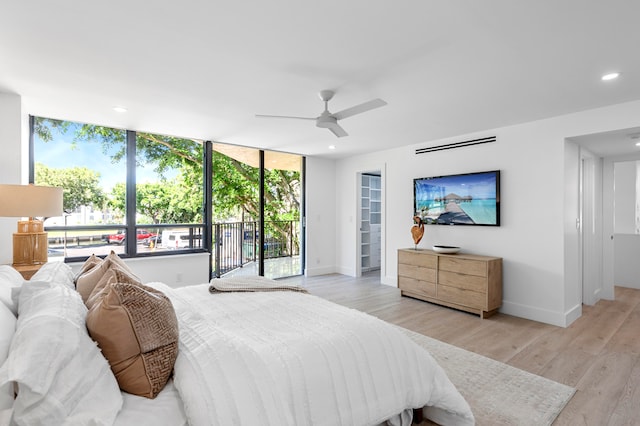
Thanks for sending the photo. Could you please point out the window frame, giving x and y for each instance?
(131, 227)
(207, 225)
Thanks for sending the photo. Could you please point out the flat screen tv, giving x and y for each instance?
(464, 199)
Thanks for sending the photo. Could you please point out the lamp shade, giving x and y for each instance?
(30, 201)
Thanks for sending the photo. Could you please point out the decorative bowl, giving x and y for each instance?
(446, 249)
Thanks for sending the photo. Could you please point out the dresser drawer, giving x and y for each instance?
(417, 287)
(417, 258)
(467, 282)
(466, 266)
(417, 272)
(460, 296)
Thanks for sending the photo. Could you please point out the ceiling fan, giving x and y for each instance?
(327, 120)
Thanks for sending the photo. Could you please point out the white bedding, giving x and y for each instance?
(286, 358)
(164, 409)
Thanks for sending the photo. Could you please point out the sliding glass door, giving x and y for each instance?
(256, 199)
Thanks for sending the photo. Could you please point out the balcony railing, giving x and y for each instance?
(238, 243)
(234, 243)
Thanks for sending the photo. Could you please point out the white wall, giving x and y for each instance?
(175, 271)
(321, 216)
(626, 266)
(626, 197)
(11, 170)
(534, 216)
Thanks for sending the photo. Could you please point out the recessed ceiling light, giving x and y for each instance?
(637, 143)
(332, 147)
(119, 109)
(610, 76)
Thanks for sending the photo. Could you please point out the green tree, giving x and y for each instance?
(235, 184)
(81, 186)
(164, 202)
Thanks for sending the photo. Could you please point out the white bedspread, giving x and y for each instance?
(287, 358)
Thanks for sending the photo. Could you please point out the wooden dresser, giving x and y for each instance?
(462, 281)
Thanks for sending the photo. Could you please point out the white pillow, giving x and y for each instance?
(7, 329)
(56, 273)
(61, 375)
(9, 278)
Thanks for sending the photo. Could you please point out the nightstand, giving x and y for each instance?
(27, 271)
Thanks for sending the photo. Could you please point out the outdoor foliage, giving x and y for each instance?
(81, 186)
(164, 202)
(171, 200)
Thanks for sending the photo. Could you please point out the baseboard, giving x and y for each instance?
(351, 272)
(390, 281)
(323, 270)
(573, 314)
(559, 319)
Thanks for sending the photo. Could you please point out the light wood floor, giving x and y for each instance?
(599, 354)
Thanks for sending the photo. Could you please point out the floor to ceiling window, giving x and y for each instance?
(240, 217)
(169, 191)
(118, 183)
(283, 224)
(67, 155)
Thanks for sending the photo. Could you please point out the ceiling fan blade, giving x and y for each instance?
(284, 116)
(358, 109)
(337, 130)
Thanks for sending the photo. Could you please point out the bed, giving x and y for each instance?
(243, 358)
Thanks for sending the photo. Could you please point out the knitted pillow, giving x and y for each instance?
(136, 328)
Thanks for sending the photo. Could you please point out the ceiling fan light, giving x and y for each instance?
(326, 122)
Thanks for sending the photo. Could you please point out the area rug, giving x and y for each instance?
(498, 393)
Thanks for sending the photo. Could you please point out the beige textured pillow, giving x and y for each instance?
(136, 328)
(88, 264)
(114, 274)
(116, 259)
(86, 282)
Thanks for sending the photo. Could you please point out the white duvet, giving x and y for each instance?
(287, 358)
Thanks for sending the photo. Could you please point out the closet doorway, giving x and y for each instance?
(370, 222)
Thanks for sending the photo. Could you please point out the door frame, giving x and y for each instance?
(590, 229)
(608, 208)
(381, 170)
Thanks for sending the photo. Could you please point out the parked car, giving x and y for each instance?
(173, 240)
(155, 239)
(121, 235)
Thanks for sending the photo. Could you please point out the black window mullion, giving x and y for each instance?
(303, 216)
(208, 205)
(32, 162)
(261, 224)
(131, 207)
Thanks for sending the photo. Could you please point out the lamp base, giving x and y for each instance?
(30, 244)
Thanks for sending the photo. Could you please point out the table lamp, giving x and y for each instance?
(30, 243)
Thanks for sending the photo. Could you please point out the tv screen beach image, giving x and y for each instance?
(465, 199)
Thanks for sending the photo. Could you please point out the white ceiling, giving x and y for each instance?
(203, 69)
